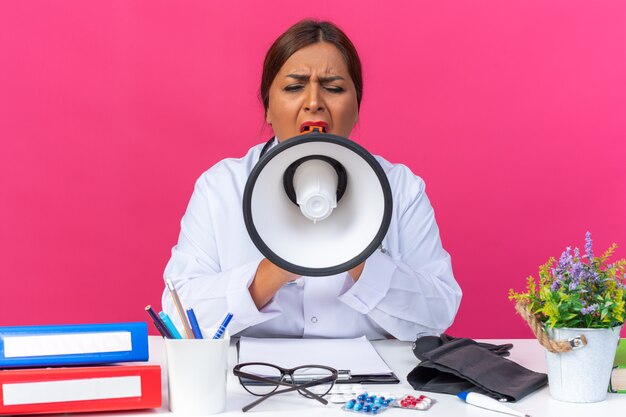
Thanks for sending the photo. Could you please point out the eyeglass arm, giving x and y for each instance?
(292, 387)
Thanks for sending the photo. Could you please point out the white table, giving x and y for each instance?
(398, 355)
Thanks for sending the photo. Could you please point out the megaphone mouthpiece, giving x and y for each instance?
(315, 184)
(317, 175)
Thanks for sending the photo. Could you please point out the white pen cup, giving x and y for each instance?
(196, 370)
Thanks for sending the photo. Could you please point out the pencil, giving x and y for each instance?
(179, 308)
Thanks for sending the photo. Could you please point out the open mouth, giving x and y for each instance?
(308, 127)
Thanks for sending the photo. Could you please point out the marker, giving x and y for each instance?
(194, 323)
(220, 331)
(488, 403)
(169, 325)
(179, 307)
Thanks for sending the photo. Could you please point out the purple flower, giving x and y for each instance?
(589, 246)
(566, 258)
(555, 286)
(576, 271)
(588, 310)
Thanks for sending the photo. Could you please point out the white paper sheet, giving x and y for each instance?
(356, 355)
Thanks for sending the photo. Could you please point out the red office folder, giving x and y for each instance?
(80, 389)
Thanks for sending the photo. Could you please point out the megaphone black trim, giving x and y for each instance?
(336, 269)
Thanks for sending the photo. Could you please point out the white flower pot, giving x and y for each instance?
(582, 375)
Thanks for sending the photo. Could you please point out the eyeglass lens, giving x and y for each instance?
(264, 371)
(300, 375)
(310, 374)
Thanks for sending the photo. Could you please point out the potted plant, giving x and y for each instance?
(576, 311)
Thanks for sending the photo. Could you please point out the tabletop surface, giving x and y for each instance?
(398, 355)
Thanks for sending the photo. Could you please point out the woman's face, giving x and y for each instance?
(313, 87)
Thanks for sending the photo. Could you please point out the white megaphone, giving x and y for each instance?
(317, 204)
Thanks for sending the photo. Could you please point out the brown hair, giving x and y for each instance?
(300, 35)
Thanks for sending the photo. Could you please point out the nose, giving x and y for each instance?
(314, 101)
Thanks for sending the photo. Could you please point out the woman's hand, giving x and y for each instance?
(268, 280)
(355, 272)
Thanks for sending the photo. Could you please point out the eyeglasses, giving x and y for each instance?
(263, 379)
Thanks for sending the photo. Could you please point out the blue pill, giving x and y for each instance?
(362, 397)
(370, 399)
(386, 403)
(379, 400)
(350, 404)
(367, 408)
(358, 406)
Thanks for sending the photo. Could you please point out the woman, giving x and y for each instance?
(311, 76)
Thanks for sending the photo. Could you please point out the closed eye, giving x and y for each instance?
(334, 89)
(293, 87)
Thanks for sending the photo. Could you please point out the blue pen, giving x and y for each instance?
(170, 325)
(222, 329)
(193, 321)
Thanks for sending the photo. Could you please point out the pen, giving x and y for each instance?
(158, 323)
(488, 403)
(169, 325)
(179, 307)
(222, 328)
(194, 323)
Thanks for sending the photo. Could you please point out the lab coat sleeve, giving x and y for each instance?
(197, 275)
(410, 290)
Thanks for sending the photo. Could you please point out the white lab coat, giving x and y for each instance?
(406, 292)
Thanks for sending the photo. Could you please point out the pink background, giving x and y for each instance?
(512, 111)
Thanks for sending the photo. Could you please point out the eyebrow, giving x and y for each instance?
(301, 77)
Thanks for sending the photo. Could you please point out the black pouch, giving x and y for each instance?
(450, 365)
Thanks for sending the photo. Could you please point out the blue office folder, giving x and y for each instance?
(73, 344)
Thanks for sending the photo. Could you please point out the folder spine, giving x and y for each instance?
(23, 400)
(75, 344)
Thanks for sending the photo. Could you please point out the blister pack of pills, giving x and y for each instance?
(342, 393)
(421, 402)
(369, 403)
(366, 403)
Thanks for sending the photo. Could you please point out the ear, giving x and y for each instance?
(268, 119)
